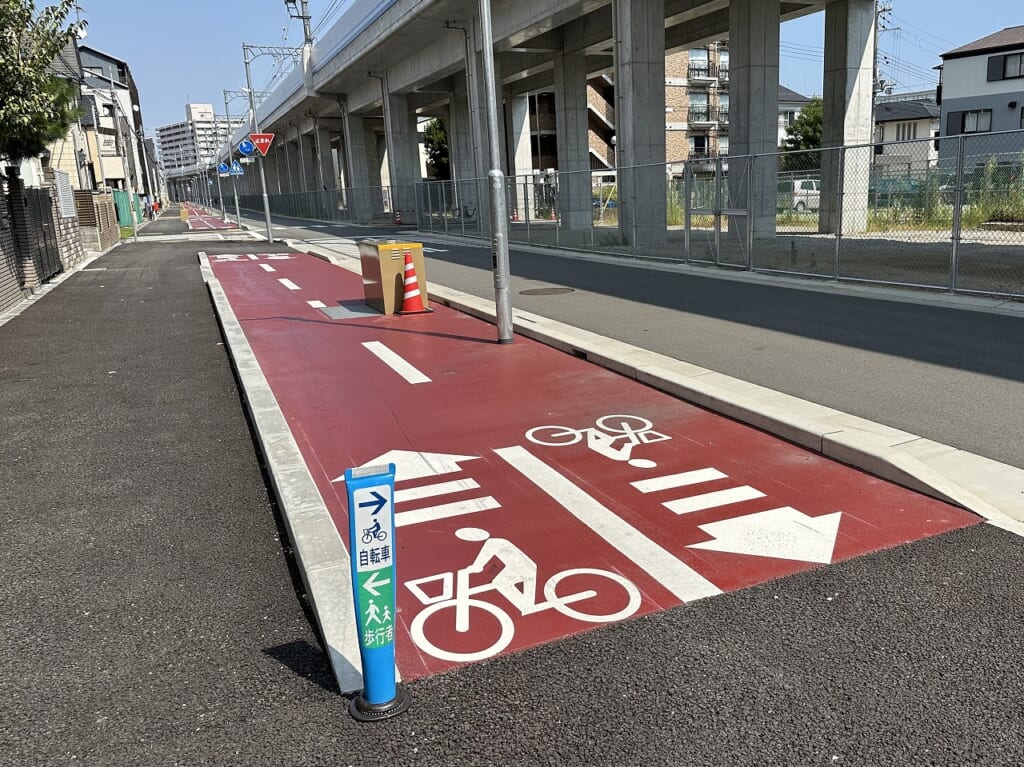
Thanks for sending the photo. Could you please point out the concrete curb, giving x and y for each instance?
(990, 489)
(323, 559)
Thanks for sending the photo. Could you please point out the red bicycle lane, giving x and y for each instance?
(199, 220)
(538, 495)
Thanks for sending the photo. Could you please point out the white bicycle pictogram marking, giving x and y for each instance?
(516, 581)
(613, 436)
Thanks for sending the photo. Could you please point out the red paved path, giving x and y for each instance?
(347, 408)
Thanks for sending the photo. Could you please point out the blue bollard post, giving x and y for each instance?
(371, 533)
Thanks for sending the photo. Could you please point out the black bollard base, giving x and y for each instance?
(364, 711)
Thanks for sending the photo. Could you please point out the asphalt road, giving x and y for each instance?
(150, 616)
(913, 361)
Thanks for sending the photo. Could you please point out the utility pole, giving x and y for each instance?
(881, 25)
(129, 187)
(499, 210)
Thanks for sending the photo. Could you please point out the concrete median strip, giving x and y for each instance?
(324, 561)
(993, 490)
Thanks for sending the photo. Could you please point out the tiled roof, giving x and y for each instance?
(893, 111)
(1011, 37)
(785, 94)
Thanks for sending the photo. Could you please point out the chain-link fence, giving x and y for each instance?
(944, 213)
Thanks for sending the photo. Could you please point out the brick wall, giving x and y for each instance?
(65, 228)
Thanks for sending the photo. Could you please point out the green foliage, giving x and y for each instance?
(35, 105)
(802, 136)
(435, 143)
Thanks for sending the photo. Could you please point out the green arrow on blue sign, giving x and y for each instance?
(371, 529)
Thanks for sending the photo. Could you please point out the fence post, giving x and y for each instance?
(958, 203)
(750, 212)
(687, 212)
(718, 209)
(841, 202)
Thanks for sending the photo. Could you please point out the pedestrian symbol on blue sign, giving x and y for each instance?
(246, 147)
(237, 169)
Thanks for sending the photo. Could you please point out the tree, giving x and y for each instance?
(35, 104)
(802, 136)
(435, 143)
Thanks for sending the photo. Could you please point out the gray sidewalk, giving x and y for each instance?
(150, 616)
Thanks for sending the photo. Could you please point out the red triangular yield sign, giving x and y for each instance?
(261, 141)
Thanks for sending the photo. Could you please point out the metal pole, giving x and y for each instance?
(496, 179)
(256, 129)
(234, 180)
(958, 209)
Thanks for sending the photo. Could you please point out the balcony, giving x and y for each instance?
(723, 72)
(703, 71)
(702, 115)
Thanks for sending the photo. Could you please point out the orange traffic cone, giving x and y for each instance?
(398, 217)
(412, 300)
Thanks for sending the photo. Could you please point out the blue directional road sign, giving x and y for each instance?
(246, 147)
(223, 167)
(371, 514)
(236, 169)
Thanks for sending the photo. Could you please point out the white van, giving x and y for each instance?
(798, 194)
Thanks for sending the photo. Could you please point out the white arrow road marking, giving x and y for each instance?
(782, 533)
(685, 479)
(674, 574)
(372, 584)
(445, 510)
(713, 500)
(410, 464)
(430, 491)
(289, 284)
(395, 362)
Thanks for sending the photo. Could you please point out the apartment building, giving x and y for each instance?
(696, 112)
(184, 145)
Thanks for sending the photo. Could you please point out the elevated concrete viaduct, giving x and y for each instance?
(346, 118)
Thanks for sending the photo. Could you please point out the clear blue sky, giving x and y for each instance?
(187, 50)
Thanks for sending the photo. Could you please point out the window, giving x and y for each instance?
(1022, 117)
(978, 121)
(906, 131)
(1013, 65)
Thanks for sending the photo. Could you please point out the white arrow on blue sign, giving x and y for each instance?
(223, 168)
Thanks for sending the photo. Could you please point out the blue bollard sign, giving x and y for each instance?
(371, 525)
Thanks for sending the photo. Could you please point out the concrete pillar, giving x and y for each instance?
(403, 147)
(521, 155)
(754, 108)
(466, 194)
(357, 167)
(640, 119)
(301, 161)
(270, 167)
(325, 176)
(847, 119)
(571, 121)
